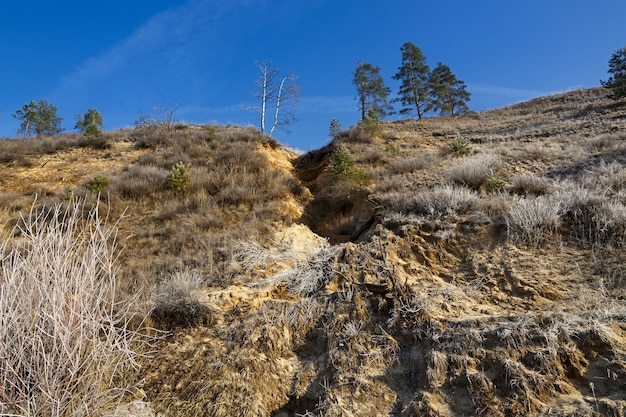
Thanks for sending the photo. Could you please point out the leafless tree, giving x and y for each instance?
(278, 93)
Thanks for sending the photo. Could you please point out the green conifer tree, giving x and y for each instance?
(448, 95)
(414, 74)
(371, 90)
(617, 81)
(89, 123)
(39, 118)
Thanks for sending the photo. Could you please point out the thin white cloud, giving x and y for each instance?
(211, 110)
(506, 92)
(171, 34)
(517, 94)
(325, 105)
(307, 105)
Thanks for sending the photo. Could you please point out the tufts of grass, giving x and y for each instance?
(593, 218)
(176, 302)
(533, 220)
(606, 178)
(140, 181)
(440, 200)
(532, 185)
(412, 163)
(354, 135)
(474, 171)
(310, 268)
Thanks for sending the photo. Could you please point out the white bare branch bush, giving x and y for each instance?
(65, 339)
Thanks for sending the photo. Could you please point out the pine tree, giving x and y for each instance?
(617, 67)
(414, 74)
(371, 90)
(89, 123)
(448, 95)
(334, 129)
(39, 118)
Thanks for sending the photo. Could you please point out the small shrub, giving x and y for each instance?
(179, 178)
(98, 184)
(371, 124)
(494, 182)
(392, 148)
(212, 133)
(343, 168)
(460, 146)
(68, 195)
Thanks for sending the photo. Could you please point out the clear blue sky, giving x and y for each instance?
(124, 57)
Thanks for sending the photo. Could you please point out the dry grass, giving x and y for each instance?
(308, 269)
(439, 201)
(530, 185)
(139, 182)
(176, 302)
(533, 220)
(412, 163)
(473, 171)
(431, 295)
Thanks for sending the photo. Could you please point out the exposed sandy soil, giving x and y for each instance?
(51, 173)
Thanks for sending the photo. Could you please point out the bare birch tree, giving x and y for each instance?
(277, 94)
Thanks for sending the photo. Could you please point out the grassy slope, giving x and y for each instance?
(435, 296)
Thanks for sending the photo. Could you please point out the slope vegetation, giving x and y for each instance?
(466, 266)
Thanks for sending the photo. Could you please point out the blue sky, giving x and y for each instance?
(124, 57)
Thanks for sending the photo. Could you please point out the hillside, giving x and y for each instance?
(461, 266)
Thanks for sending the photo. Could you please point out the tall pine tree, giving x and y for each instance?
(448, 95)
(371, 91)
(414, 74)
